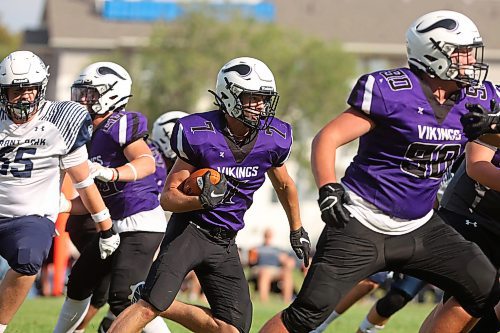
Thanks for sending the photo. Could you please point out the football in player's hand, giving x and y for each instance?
(194, 183)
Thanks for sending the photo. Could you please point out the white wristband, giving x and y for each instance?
(84, 183)
(134, 171)
(101, 216)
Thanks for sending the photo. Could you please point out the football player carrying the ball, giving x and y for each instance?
(243, 141)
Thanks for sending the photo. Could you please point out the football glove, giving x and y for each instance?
(332, 198)
(480, 121)
(102, 173)
(109, 241)
(301, 245)
(212, 195)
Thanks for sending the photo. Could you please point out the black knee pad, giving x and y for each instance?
(118, 304)
(97, 301)
(480, 309)
(392, 302)
(314, 304)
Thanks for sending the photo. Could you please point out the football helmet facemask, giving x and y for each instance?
(102, 86)
(249, 76)
(162, 132)
(433, 38)
(22, 69)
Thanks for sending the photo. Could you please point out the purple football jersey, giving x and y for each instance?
(161, 168)
(400, 163)
(108, 142)
(197, 139)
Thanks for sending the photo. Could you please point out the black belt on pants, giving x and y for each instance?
(215, 231)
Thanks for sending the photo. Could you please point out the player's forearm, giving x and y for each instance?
(138, 168)
(323, 153)
(485, 173)
(288, 197)
(175, 201)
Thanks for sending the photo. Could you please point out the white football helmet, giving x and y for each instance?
(103, 87)
(162, 131)
(432, 39)
(250, 76)
(22, 69)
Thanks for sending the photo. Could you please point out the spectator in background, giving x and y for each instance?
(269, 264)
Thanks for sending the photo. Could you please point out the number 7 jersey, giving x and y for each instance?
(30, 153)
(400, 162)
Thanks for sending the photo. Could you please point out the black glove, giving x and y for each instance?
(212, 195)
(479, 120)
(299, 239)
(332, 196)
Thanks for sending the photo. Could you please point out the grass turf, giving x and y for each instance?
(39, 315)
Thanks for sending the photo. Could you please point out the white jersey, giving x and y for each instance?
(30, 154)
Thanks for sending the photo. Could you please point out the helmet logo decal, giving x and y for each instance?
(447, 24)
(17, 81)
(107, 70)
(241, 69)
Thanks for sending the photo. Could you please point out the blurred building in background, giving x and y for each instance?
(74, 31)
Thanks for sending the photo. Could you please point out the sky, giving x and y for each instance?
(18, 15)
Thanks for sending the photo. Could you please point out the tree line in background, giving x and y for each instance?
(181, 61)
(8, 41)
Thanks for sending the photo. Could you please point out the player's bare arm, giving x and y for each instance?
(142, 162)
(332, 136)
(172, 198)
(89, 194)
(287, 194)
(479, 166)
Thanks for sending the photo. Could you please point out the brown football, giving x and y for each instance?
(194, 183)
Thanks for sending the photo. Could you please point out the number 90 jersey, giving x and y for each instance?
(198, 140)
(400, 163)
(30, 157)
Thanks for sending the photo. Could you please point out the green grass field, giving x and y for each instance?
(39, 315)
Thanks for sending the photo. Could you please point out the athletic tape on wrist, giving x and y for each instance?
(132, 167)
(84, 183)
(101, 216)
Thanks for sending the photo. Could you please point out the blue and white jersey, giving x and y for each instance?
(31, 153)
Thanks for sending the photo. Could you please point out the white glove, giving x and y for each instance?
(102, 173)
(64, 204)
(108, 245)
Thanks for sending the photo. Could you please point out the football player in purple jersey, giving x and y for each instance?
(123, 167)
(244, 142)
(82, 231)
(380, 215)
(40, 140)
